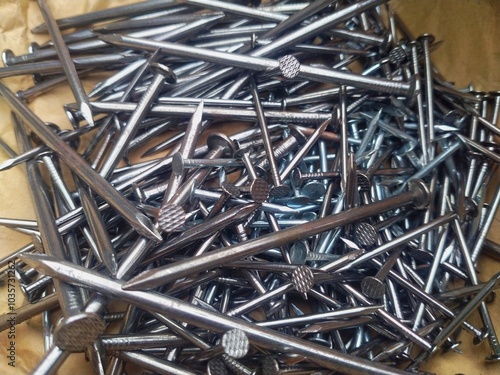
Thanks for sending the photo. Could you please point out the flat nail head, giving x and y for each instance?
(422, 193)
(289, 66)
(365, 234)
(177, 163)
(235, 343)
(259, 190)
(165, 71)
(78, 332)
(372, 287)
(7, 55)
(171, 217)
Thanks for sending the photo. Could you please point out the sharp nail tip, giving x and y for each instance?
(130, 286)
(4, 166)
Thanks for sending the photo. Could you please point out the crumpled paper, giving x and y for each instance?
(470, 53)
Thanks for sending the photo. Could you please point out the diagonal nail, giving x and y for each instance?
(67, 63)
(417, 195)
(162, 304)
(80, 167)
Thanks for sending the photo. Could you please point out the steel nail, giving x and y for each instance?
(417, 195)
(257, 335)
(80, 167)
(67, 63)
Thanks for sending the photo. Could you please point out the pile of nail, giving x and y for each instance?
(280, 188)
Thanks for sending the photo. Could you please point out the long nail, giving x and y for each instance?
(417, 195)
(162, 304)
(67, 63)
(80, 167)
(426, 41)
(216, 113)
(162, 73)
(279, 189)
(106, 14)
(288, 65)
(68, 295)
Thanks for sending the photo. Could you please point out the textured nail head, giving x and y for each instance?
(258, 190)
(171, 217)
(235, 343)
(372, 287)
(289, 66)
(78, 332)
(365, 234)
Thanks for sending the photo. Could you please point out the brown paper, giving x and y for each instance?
(470, 31)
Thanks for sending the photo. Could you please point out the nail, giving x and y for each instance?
(258, 188)
(53, 67)
(162, 74)
(106, 14)
(216, 113)
(304, 149)
(239, 10)
(67, 63)
(179, 164)
(288, 65)
(427, 40)
(80, 167)
(257, 335)
(69, 296)
(422, 131)
(417, 195)
(279, 189)
(373, 286)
